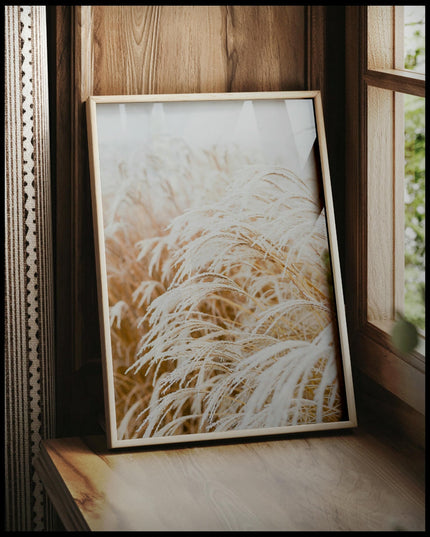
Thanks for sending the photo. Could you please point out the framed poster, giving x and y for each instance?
(221, 304)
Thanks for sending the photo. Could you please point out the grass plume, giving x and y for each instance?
(221, 314)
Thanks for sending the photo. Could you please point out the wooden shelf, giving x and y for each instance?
(327, 482)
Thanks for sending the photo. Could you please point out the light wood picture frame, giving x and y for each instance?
(220, 296)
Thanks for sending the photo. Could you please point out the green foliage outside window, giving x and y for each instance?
(415, 185)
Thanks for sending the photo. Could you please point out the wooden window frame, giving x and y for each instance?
(372, 351)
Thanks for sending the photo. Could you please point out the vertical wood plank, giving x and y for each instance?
(355, 156)
(399, 203)
(126, 62)
(380, 205)
(399, 45)
(383, 160)
(380, 44)
(86, 325)
(399, 165)
(331, 78)
(316, 49)
(59, 50)
(76, 328)
(266, 48)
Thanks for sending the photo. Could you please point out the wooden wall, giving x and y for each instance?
(106, 50)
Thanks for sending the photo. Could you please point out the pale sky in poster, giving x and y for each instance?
(281, 132)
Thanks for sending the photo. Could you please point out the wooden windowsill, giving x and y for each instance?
(415, 358)
(348, 480)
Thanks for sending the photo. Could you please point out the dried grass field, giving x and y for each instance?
(221, 307)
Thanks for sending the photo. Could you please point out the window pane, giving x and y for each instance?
(414, 38)
(415, 209)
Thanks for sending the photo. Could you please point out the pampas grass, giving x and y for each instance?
(221, 315)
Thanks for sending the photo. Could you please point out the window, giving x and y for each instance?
(395, 164)
(414, 114)
(386, 193)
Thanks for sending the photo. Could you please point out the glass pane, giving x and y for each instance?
(415, 210)
(414, 38)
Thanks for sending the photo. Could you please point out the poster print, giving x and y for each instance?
(220, 296)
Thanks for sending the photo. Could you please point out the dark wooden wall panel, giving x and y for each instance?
(108, 50)
(189, 49)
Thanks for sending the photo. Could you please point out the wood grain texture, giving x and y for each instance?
(86, 326)
(399, 202)
(396, 80)
(380, 214)
(316, 49)
(347, 482)
(192, 49)
(380, 41)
